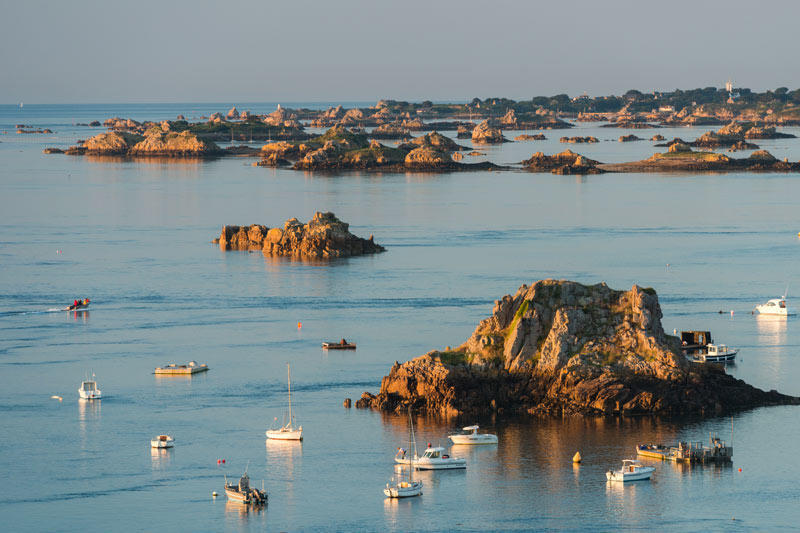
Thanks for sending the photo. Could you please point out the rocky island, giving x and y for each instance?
(324, 237)
(563, 348)
(340, 148)
(681, 157)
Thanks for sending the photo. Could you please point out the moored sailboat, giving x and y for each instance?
(287, 431)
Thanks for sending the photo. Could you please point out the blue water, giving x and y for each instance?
(134, 236)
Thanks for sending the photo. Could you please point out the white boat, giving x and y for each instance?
(405, 488)
(162, 441)
(632, 470)
(718, 354)
(472, 437)
(288, 431)
(434, 458)
(89, 391)
(776, 306)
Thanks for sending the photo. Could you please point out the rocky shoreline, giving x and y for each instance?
(563, 348)
(323, 237)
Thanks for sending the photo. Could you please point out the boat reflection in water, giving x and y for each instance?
(241, 513)
(159, 458)
(771, 329)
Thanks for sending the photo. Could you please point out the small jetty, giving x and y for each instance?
(689, 452)
(192, 367)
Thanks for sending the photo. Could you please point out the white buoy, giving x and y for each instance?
(214, 494)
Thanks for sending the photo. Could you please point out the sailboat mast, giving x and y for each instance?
(289, 380)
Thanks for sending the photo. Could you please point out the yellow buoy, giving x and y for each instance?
(577, 457)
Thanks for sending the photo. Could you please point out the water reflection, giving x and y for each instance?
(88, 418)
(160, 458)
(79, 316)
(771, 330)
(239, 514)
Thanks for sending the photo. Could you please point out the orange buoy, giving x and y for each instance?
(299, 325)
(577, 457)
(740, 470)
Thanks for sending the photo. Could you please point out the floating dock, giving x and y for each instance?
(180, 370)
(689, 452)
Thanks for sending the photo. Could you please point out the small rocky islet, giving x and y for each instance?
(564, 348)
(323, 237)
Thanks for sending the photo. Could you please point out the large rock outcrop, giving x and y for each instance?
(484, 133)
(324, 237)
(560, 347)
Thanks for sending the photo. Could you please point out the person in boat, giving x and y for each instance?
(343, 342)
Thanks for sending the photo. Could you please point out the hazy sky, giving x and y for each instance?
(329, 50)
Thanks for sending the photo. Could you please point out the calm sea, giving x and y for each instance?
(135, 236)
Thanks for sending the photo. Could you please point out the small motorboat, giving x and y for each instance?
(288, 431)
(242, 492)
(471, 436)
(632, 470)
(341, 345)
(403, 489)
(162, 441)
(776, 306)
(78, 305)
(718, 354)
(434, 458)
(89, 391)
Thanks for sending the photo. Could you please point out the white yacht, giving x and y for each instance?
(434, 458)
(162, 441)
(632, 470)
(776, 306)
(89, 391)
(288, 431)
(471, 436)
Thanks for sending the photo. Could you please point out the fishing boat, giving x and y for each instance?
(171, 369)
(341, 345)
(401, 488)
(718, 354)
(242, 492)
(776, 306)
(434, 458)
(471, 436)
(162, 441)
(632, 470)
(89, 391)
(287, 431)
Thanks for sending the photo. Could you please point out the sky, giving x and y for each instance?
(84, 51)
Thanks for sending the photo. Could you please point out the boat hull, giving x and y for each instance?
(279, 434)
(96, 395)
(720, 358)
(337, 346)
(642, 474)
(473, 439)
(403, 490)
(426, 464)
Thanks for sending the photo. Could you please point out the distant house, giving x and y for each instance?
(666, 109)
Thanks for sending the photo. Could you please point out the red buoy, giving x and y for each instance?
(223, 461)
(740, 470)
(218, 461)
